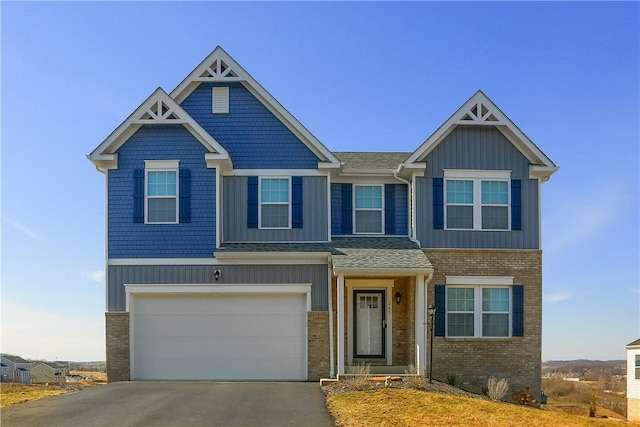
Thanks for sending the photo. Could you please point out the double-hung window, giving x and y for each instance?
(638, 366)
(478, 311)
(275, 206)
(477, 200)
(368, 209)
(161, 191)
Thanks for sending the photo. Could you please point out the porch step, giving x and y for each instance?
(388, 370)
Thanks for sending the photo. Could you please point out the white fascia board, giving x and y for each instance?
(543, 173)
(136, 119)
(274, 172)
(479, 280)
(162, 261)
(191, 82)
(247, 258)
(104, 162)
(503, 123)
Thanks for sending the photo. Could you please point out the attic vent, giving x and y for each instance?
(220, 98)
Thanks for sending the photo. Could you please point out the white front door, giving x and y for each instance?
(369, 324)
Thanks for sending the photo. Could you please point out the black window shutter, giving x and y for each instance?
(516, 204)
(347, 210)
(296, 197)
(389, 209)
(438, 203)
(138, 196)
(252, 202)
(185, 195)
(518, 311)
(441, 309)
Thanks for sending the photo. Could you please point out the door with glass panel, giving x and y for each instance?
(369, 322)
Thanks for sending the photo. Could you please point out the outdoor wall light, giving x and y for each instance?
(217, 274)
(398, 297)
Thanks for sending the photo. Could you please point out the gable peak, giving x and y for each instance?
(480, 110)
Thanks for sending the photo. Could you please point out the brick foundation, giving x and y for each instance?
(117, 325)
(518, 359)
(318, 345)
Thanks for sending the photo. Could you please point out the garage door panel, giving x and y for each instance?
(219, 336)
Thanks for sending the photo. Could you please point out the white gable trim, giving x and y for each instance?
(480, 110)
(219, 66)
(160, 109)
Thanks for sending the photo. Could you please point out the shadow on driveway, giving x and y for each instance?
(145, 403)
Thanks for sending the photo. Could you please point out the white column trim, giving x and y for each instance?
(340, 311)
(420, 320)
(332, 364)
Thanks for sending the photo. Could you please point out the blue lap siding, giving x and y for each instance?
(195, 239)
(253, 136)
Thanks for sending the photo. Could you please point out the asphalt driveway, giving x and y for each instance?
(149, 403)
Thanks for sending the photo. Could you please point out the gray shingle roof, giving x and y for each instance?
(362, 253)
(634, 343)
(356, 160)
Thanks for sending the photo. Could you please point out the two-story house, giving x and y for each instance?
(240, 247)
(16, 369)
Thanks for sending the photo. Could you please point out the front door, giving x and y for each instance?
(369, 323)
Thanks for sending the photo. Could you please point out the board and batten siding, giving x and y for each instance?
(401, 223)
(314, 207)
(195, 239)
(253, 136)
(477, 148)
(119, 275)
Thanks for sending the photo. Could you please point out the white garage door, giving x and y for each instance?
(219, 337)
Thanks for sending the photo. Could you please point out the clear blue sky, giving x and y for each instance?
(361, 77)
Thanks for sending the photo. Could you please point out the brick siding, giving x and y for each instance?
(318, 364)
(117, 325)
(518, 359)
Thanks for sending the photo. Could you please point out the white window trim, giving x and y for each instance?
(355, 209)
(161, 166)
(289, 203)
(477, 176)
(477, 310)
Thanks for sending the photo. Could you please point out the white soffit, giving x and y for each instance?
(157, 109)
(219, 66)
(480, 110)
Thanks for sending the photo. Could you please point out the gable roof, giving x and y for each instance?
(15, 359)
(158, 109)
(635, 343)
(219, 66)
(480, 110)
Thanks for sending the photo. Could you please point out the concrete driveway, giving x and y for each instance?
(178, 404)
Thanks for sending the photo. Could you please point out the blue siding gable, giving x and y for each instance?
(253, 136)
(195, 239)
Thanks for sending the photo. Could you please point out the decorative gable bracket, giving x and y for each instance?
(480, 113)
(218, 71)
(159, 112)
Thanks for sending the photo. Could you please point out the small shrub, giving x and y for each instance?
(413, 380)
(592, 405)
(524, 397)
(497, 389)
(452, 379)
(358, 377)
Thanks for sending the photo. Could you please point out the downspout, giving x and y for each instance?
(332, 371)
(412, 236)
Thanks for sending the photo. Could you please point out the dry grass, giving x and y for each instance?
(12, 393)
(407, 407)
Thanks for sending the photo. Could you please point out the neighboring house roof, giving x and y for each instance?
(158, 109)
(362, 162)
(2, 365)
(23, 369)
(480, 110)
(16, 359)
(274, 247)
(219, 66)
(378, 255)
(635, 343)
